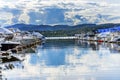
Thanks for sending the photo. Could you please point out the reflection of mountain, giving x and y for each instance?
(58, 43)
(54, 52)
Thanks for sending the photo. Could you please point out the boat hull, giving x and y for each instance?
(8, 45)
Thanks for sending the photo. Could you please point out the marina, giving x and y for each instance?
(14, 40)
(59, 40)
(22, 52)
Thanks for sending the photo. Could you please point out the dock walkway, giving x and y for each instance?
(68, 37)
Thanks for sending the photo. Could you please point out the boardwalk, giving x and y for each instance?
(68, 37)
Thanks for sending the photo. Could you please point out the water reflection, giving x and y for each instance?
(67, 60)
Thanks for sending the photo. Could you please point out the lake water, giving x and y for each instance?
(66, 60)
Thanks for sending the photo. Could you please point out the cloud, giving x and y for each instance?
(6, 18)
(87, 11)
(24, 17)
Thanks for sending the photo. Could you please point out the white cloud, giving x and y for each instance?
(24, 17)
(6, 18)
(88, 9)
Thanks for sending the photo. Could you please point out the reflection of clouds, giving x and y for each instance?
(29, 71)
(80, 64)
(100, 59)
(76, 51)
(114, 48)
(65, 72)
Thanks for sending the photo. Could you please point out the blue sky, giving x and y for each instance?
(70, 12)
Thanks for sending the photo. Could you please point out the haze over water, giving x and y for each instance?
(67, 60)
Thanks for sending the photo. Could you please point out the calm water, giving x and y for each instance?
(66, 60)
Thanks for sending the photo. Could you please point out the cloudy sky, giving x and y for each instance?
(70, 12)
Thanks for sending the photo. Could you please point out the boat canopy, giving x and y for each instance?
(104, 34)
(15, 30)
(37, 34)
(5, 31)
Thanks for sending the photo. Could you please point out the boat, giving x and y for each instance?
(6, 37)
(38, 35)
(24, 37)
(6, 45)
(104, 37)
(6, 34)
(1, 37)
(115, 39)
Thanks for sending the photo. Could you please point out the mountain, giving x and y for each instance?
(85, 27)
(62, 30)
(30, 27)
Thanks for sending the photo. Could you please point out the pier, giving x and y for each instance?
(68, 37)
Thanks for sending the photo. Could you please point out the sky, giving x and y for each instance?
(52, 12)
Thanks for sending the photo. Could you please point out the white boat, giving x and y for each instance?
(105, 36)
(1, 37)
(25, 38)
(5, 39)
(6, 34)
(115, 39)
(38, 35)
